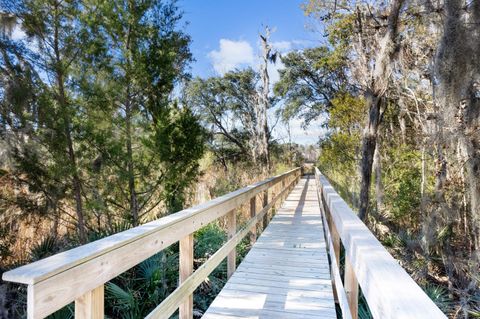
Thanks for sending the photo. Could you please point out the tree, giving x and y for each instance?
(263, 133)
(230, 106)
(53, 29)
(88, 114)
(375, 42)
(457, 94)
(148, 56)
(309, 81)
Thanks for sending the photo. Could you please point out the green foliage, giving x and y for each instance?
(391, 240)
(67, 312)
(180, 144)
(340, 148)
(338, 152)
(340, 35)
(219, 101)
(439, 296)
(48, 246)
(113, 228)
(137, 292)
(208, 240)
(92, 132)
(402, 179)
(308, 82)
(347, 112)
(123, 301)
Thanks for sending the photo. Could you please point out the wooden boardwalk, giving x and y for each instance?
(286, 273)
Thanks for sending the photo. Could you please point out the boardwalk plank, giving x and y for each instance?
(286, 273)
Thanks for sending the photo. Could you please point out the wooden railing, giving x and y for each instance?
(79, 274)
(389, 291)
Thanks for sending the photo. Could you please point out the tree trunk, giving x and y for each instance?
(264, 103)
(457, 93)
(377, 164)
(62, 101)
(473, 181)
(130, 165)
(375, 93)
(128, 128)
(369, 141)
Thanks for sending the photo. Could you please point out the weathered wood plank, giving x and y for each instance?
(255, 269)
(243, 301)
(90, 305)
(231, 230)
(274, 267)
(283, 294)
(253, 211)
(265, 203)
(351, 288)
(295, 280)
(265, 314)
(300, 262)
(186, 269)
(300, 293)
(283, 282)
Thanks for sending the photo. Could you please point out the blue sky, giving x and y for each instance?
(241, 20)
(225, 36)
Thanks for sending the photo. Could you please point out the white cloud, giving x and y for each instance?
(282, 46)
(18, 34)
(273, 71)
(232, 54)
(298, 133)
(304, 43)
(239, 54)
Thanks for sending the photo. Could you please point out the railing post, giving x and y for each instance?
(265, 203)
(186, 269)
(232, 230)
(351, 288)
(253, 212)
(335, 239)
(90, 305)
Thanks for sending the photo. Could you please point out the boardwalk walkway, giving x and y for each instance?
(286, 273)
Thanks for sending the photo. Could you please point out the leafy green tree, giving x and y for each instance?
(309, 81)
(148, 57)
(87, 111)
(227, 105)
(55, 40)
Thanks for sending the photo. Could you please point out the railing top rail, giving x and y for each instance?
(43, 269)
(390, 292)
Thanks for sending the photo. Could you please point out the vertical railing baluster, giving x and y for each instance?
(231, 230)
(351, 288)
(253, 212)
(265, 203)
(90, 305)
(335, 240)
(186, 269)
